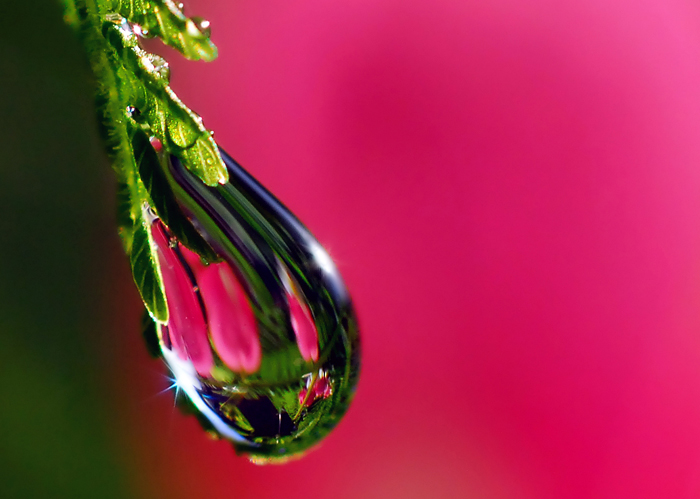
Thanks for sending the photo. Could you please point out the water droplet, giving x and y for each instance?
(264, 341)
(182, 134)
(114, 17)
(140, 31)
(158, 66)
(196, 26)
(134, 113)
(156, 144)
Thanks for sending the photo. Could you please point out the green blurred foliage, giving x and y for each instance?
(55, 436)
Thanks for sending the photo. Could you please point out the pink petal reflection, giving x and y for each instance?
(231, 319)
(304, 328)
(321, 388)
(192, 259)
(188, 331)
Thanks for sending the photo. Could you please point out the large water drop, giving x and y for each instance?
(262, 340)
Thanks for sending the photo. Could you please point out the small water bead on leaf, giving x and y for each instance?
(182, 136)
(140, 31)
(156, 144)
(263, 340)
(134, 113)
(159, 67)
(199, 27)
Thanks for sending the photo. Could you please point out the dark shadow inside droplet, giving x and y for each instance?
(165, 335)
(135, 114)
(150, 336)
(265, 419)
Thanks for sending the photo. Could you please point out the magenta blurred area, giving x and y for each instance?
(512, 192)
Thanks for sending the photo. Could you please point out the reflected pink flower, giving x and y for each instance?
(222, 315)
(304, 328)
(317, 387)
(186, 324)
(231, 320)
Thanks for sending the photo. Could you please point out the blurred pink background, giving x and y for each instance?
(512, 192)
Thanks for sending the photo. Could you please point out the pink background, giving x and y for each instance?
(512, 192)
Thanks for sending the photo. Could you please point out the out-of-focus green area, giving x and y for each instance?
(55, 439)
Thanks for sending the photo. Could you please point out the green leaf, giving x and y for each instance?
(145, 87)
(129, 77)
(146, 271)
(125, 223)
(165, 19)
(163, 200)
